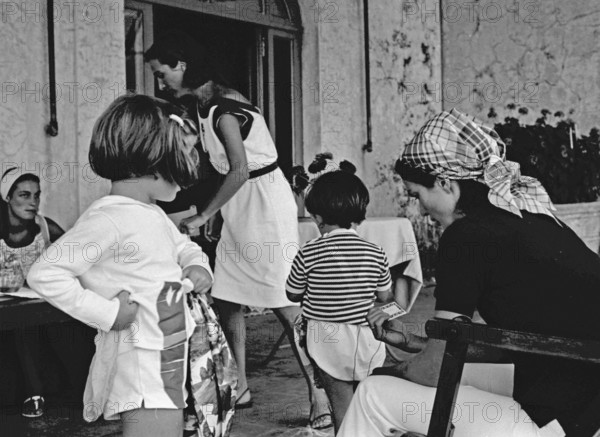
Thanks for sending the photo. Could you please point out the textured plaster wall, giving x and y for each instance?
(405, 63)
(404, 50)
(89, 74)
(537, 54)
(340, 91)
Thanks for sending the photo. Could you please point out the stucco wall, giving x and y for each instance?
(536, 54)
(89, 47)
(404, 50)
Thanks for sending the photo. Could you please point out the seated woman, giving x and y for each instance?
(23, 236)
(505, 254)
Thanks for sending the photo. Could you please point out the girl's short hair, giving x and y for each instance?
(174, 46)
(139, 136)
(339, 197)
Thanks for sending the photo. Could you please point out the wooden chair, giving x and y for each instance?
(459, 335)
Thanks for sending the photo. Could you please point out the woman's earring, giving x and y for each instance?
(320, 225)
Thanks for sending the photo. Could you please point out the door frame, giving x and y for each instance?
(268, 27)
(147, 40)
(296, 84)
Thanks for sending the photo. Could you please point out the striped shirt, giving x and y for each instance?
(339, 274)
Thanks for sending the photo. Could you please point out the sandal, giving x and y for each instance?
(33, 407)
(325, 418)
(242, 405)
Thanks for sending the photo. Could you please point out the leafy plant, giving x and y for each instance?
(568, 166)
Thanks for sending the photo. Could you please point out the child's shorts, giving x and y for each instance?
(345, 352)
(150, 379)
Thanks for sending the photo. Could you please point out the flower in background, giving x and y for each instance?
(300, 179)
(323, 163)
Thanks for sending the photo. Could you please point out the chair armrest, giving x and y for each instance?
(516, 341)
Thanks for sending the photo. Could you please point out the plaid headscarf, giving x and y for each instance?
(454, 147)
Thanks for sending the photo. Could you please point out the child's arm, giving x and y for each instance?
(384, 296)
(54, 275)
(296, 284)
(384, 293)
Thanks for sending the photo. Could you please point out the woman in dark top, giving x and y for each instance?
(505, 254)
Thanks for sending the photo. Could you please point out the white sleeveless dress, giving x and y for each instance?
(259, 239)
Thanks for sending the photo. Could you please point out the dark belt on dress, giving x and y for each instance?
(262, 171)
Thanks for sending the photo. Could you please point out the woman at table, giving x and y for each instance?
(505, 254)
(259, 237)
(23, 236)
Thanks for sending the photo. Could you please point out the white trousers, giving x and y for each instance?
(385, 405)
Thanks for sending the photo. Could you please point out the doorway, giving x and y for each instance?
(257, 53)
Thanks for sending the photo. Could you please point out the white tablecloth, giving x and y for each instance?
(23, 292)
(394, 234)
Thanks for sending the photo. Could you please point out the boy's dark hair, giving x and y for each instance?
(339, 197)
(136, 137)
(174, 46)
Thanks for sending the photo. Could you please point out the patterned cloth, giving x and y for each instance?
(455, 147)
(213, 375)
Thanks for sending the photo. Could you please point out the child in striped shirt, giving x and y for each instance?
(338, 277)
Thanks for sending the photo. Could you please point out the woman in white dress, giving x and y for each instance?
(259, 238)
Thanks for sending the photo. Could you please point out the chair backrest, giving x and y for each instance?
(459, 335)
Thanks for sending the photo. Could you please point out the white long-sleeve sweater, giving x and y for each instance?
(118, 244)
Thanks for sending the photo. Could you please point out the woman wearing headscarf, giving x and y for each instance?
(505, 254)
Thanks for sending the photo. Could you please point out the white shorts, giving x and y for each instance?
(150, 379)
(345, 352)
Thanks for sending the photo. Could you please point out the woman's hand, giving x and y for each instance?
(191, 225)
(212, 228)
(127, 311)
(376, 318)
(378, 321)
(199, 276)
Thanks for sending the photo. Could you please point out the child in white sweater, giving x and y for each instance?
(122, 266)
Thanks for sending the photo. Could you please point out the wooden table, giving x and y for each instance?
(17, 313)
(60, 336)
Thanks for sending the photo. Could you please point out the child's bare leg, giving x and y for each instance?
(155, 422)
(318, 398)
(234, 328)
(340, 394)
